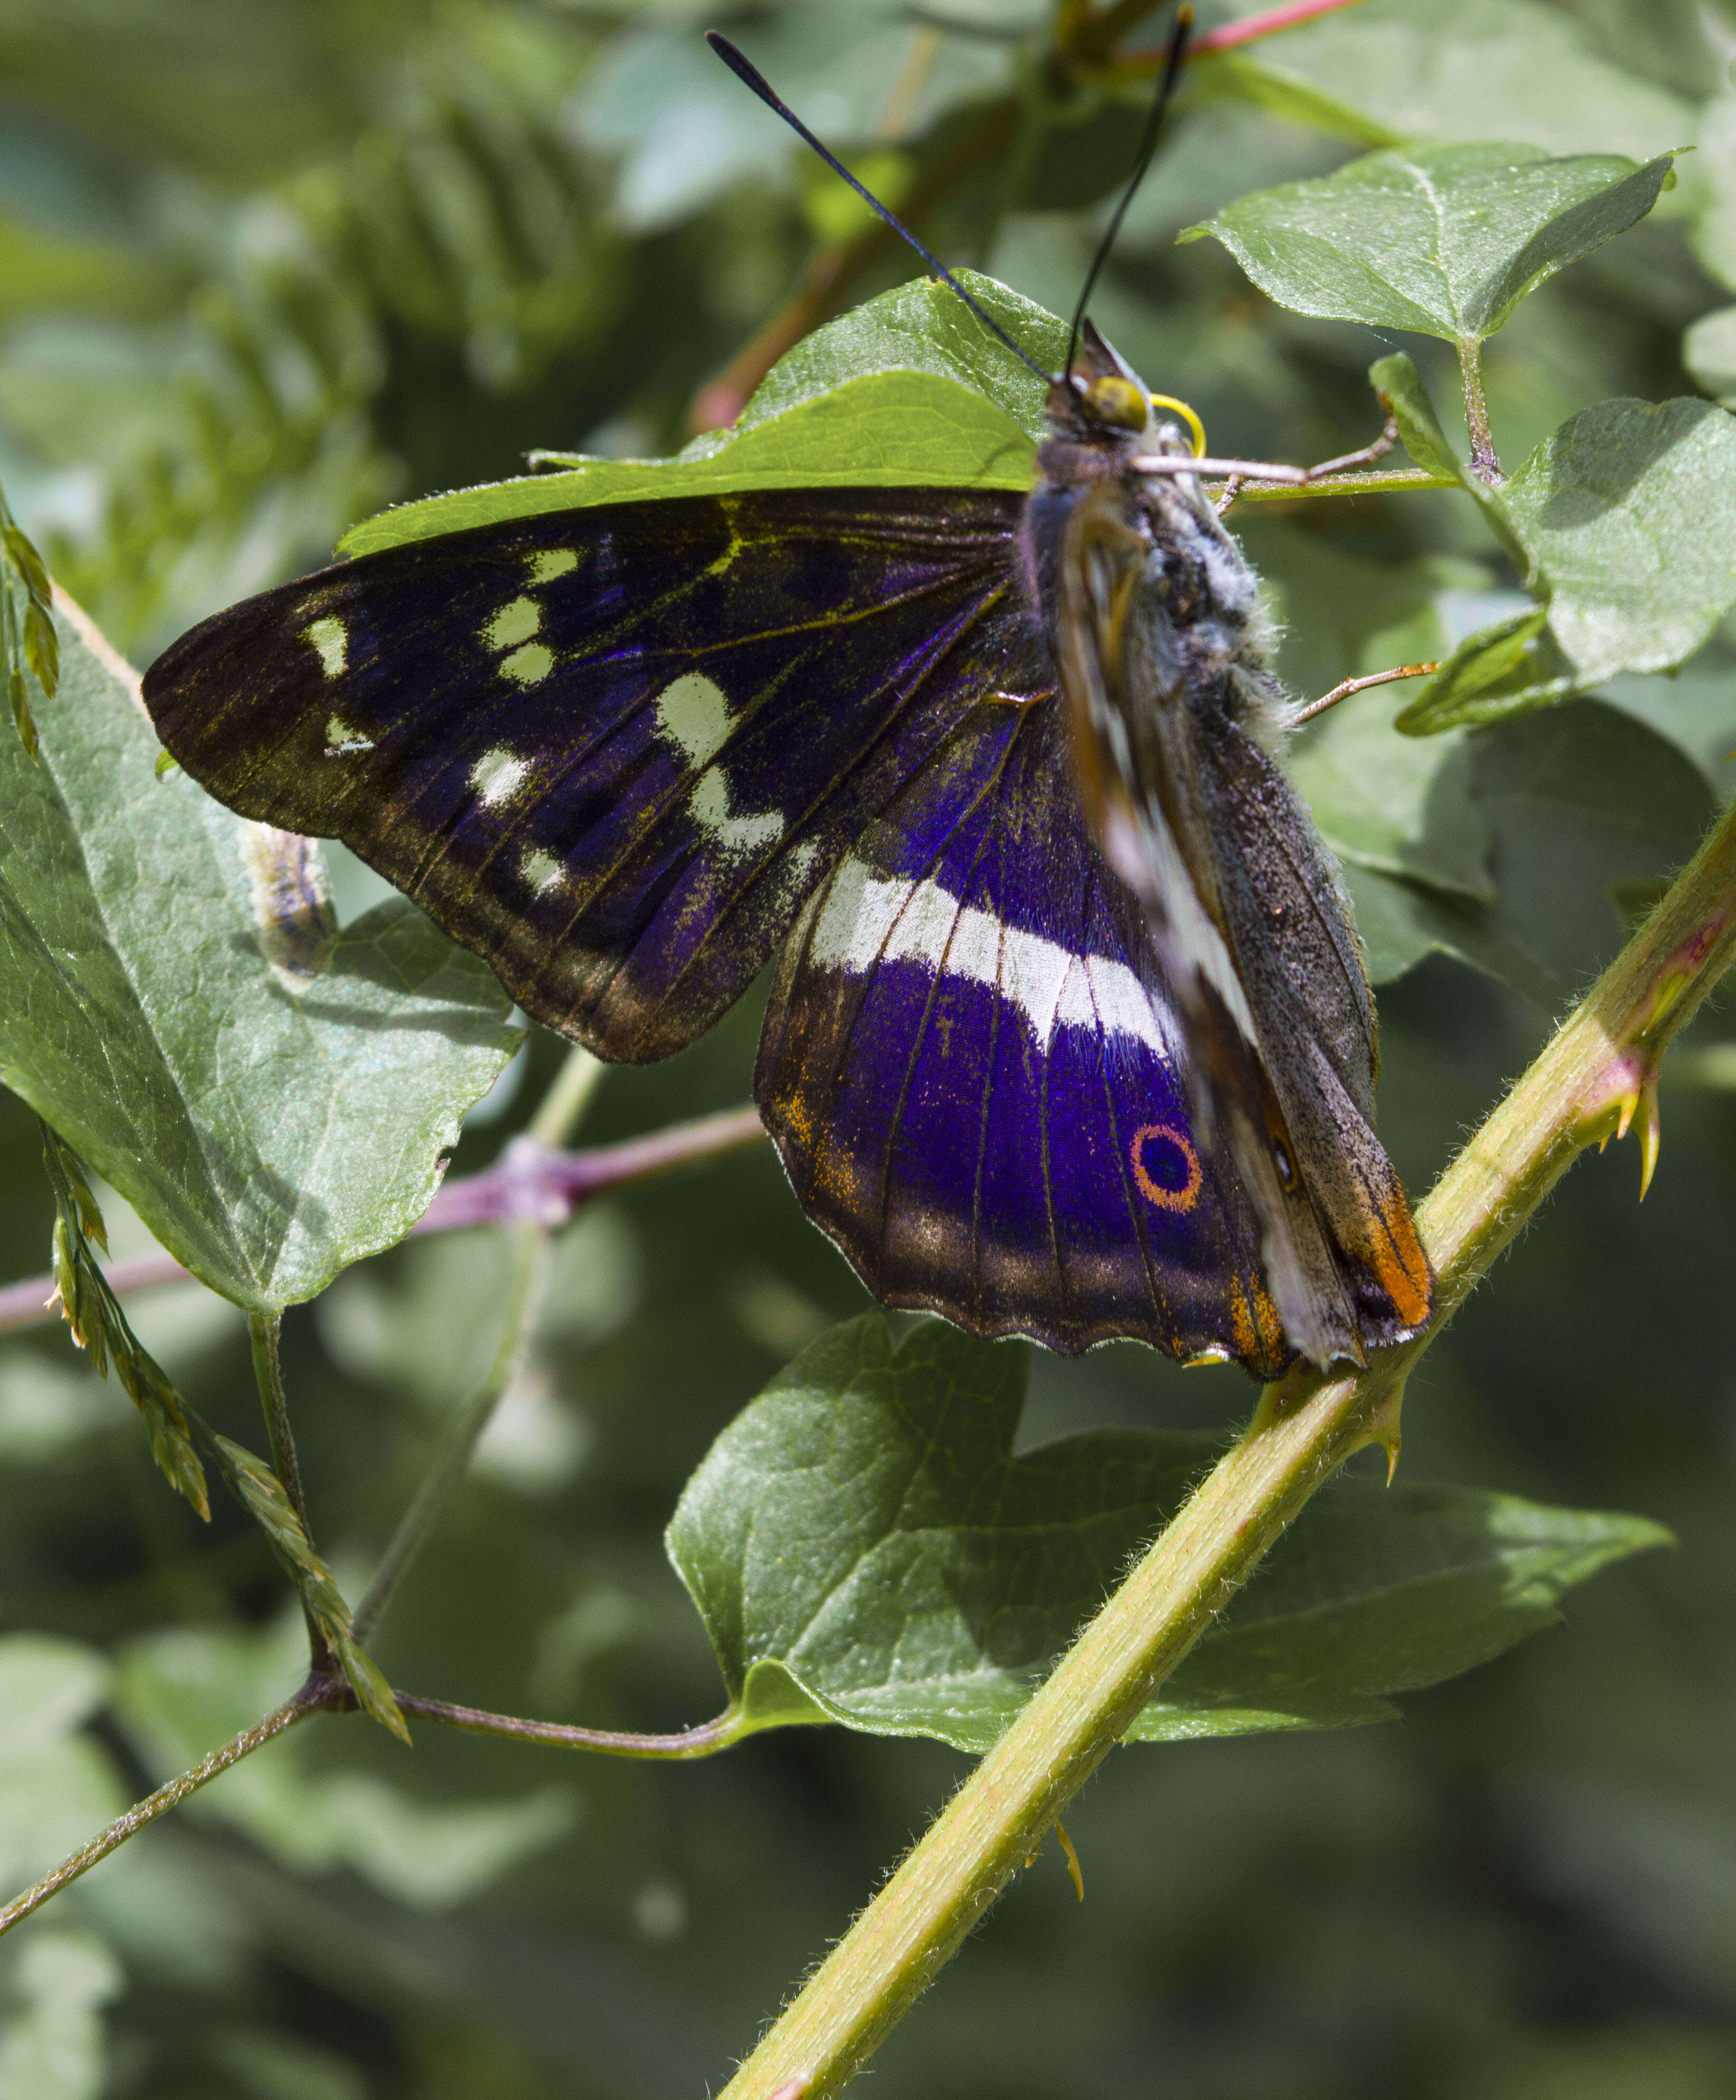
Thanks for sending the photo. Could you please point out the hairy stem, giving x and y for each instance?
(1484, 464)
(309, 1700)
(700, 1742)
(1595, 1078)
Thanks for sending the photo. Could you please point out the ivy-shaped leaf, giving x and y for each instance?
(272, 1097)
(1444, 240)
(864, 1547)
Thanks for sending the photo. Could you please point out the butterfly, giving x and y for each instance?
(1068, 1034)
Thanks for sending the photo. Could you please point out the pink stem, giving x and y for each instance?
(527, 1181)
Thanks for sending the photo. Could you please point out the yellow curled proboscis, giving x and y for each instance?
(1195, 427)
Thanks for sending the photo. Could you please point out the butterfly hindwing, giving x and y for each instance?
(610, 749)
(974, 1075)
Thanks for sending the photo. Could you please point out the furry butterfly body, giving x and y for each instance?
(979, 771)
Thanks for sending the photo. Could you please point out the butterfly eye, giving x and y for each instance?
(1117, 402)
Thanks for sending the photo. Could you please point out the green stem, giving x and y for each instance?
(1400, 481)
(264, 1331)
(528, 1243)
(710, 1736)
(558, 1112)
(1597, 1076)
(308, 1701)
(1484, 464)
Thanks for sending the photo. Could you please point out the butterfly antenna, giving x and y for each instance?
(1142, 160)
(751, 76)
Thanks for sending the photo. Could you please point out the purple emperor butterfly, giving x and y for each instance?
(1068, 1034)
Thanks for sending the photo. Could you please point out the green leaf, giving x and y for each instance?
(909, 390)
(180, 1692)
(53, 1988)
(1708, 350)
(1715, 228)
(1399, 386)
(1381, 808)
(1580, 801)
(1626, 518)
(864, 1547)
(57, 1787)
(1397, 71)
(1445, 240)
(1503, 669)
(272, 1099)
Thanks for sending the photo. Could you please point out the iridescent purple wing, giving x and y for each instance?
(612, 750)
(973, 1072)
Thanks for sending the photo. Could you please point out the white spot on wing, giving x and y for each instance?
(528, 665)
(866, 919)
(515, 622)
(556, 561)
(498, 774)
(331, 638)
(695, 716)
(541, 870)
(710, 806)
(341, 738)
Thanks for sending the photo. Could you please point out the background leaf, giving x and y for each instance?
(1580, 803)
(1627, 517)
(286, 1116)
(864, 1547)
(1445, 240)
(908, 389)
(1405, 71)
(179, 1693)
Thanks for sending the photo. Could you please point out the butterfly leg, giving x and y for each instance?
(1298, 716)
(1366, 456)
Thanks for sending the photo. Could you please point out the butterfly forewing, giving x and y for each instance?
(610, 749)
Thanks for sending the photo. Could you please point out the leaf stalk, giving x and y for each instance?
(704, 1741)
(1484, 464)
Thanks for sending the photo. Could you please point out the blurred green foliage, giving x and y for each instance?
(262, 269)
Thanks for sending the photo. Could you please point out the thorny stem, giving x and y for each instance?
(266, 1333)
(1484, 464)
(309, 1700)
(1595, 1078)
(534, 1181)
(711, 1736)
